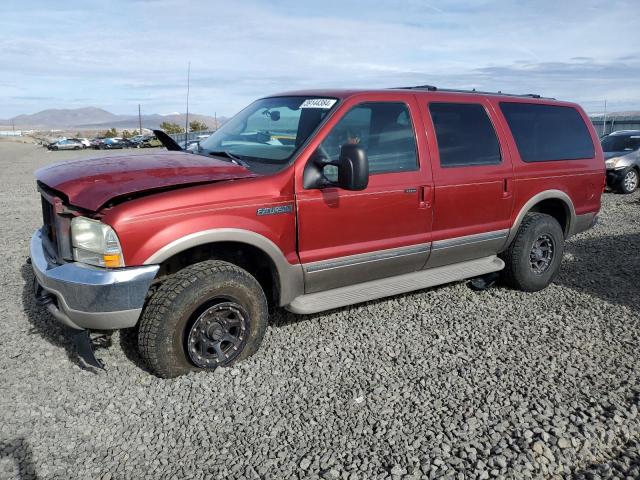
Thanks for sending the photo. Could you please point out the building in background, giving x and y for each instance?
(611, 122)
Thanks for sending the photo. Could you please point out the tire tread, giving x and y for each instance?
(512, 274)
(159, 306)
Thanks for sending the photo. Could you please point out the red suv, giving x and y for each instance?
(313, 200)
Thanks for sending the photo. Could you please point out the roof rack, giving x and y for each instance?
(432, 88)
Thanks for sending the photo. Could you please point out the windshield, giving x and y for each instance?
(621, 143)
(265, 135)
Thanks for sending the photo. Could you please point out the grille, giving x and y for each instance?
(49, 229)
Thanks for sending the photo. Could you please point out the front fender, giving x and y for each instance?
(290, 276)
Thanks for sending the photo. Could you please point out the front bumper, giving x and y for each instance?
(86, 297)
(614, 176)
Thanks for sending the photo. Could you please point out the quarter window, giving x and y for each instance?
(547, 132)
(385, 132)
(465, 135)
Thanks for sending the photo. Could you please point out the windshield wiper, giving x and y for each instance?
(231, 157)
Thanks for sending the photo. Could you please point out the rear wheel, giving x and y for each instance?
(533, 258)
(628, 182)
(210, 314)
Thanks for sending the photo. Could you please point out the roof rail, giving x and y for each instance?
(432, 88)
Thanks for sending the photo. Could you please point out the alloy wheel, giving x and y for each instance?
(218, 335)
(541, 255)
(631, 180)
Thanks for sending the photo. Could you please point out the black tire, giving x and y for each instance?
(522, 270)
(186, 298)
(628, 182)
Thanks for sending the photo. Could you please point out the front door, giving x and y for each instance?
(348, 237)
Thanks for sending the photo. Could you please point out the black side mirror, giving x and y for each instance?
(353, 168)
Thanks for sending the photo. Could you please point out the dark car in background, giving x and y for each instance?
(146, 141)
(115, 143)
(96, 142)
(622, 159)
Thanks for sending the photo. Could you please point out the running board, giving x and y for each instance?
(386, 287)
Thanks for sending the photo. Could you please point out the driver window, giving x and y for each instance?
(385, 132)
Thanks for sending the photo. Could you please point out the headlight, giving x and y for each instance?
(612, 163)
(95, 243)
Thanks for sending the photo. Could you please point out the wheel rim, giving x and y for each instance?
(541, 254)
(218, 335)
(631, 180)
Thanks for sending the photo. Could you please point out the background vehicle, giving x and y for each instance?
(622, 159)
(67, 144)
(189, 145)
(96, 142)
(311, 201)
(115, 143)
(85, 142)
(148, 141)
(136, 139)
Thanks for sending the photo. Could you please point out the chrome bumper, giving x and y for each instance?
(89, 297)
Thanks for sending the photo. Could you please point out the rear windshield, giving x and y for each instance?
(548, 132)
(621, 143)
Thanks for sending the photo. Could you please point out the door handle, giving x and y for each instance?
(424, 196)
(507, 188)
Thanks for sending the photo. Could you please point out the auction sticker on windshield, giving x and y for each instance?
(318, 103)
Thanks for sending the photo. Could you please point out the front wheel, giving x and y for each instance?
(208, 315)
(533, 258)
(628, 181)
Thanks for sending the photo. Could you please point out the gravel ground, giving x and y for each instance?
(443, 383)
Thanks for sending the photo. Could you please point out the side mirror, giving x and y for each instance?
(350, 171)
(353, 168)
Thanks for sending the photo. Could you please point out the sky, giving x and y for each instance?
(115, 54)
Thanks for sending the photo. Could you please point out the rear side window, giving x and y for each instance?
(465, 134)
(548, 132)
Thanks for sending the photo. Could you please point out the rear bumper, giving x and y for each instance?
(85, 297)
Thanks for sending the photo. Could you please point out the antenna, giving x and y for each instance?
(186, 121)
(604, 118)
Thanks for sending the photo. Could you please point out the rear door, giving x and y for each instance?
(473, 175)
(347, 237)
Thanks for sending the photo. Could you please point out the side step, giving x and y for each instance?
(385, 287)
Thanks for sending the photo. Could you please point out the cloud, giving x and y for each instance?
(117, 54)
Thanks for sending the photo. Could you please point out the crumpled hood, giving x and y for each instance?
(90, 183)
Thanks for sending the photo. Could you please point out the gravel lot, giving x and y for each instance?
(443, 383)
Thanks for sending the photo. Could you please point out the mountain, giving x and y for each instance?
(152, 121)
(98, 118)
(65, 117)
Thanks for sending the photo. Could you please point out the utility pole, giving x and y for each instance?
(215, 121)
(13, 126)
(139, 121)
(186, 121)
